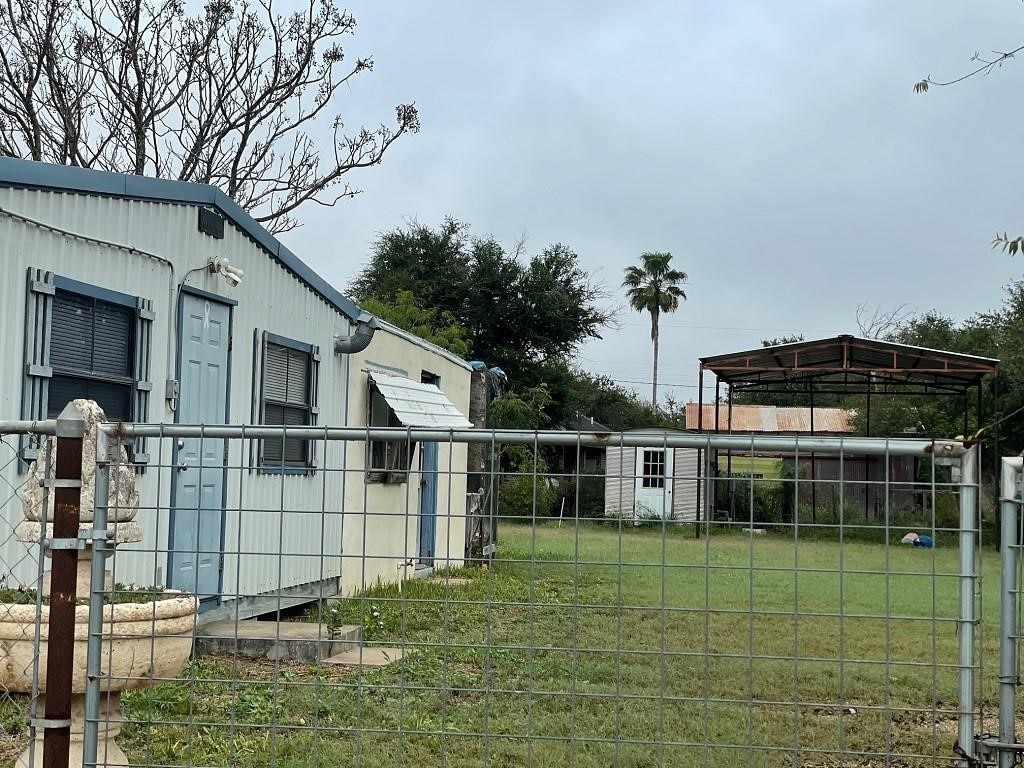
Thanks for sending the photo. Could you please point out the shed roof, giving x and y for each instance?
(581, 423)
(770, 419)
(884, 360)
(29, 174)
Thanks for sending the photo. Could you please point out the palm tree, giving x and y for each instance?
(654, 287)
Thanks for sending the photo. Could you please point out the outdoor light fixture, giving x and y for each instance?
(233, 275)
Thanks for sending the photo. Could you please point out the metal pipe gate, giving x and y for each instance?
(676, 618)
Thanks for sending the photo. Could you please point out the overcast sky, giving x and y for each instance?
(777, 149)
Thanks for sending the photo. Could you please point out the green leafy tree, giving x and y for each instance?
(520, 410)
(653, 287)
(436, 326)
(432, 264)
(575, 391)
(517, 312)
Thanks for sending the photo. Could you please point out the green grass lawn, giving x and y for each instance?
(584, 647)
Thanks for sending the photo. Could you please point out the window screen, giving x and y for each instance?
(286, 400)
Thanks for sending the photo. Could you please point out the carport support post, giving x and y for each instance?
(867, 459)
(968, 483)
(728, 464)
(814, 467)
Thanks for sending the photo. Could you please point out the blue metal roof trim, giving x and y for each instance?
(15, 172)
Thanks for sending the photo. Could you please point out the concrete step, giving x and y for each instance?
(367, 656)
(278, 640)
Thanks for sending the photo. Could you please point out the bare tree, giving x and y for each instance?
(881, 323)
(230, 96)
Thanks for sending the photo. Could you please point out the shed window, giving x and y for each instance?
(288, 397)
(85, 341)
(389, 459)
(653, 469)
(91, 354)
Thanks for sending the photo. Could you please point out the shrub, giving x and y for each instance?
(528, 492)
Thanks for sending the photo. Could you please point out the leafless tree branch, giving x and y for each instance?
(881, 323)
(986, 67)
(234, 95)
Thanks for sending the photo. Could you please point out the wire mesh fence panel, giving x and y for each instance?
(358, 597)
(27, 507)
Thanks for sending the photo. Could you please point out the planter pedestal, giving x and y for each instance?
(142, 643)
(107, 753)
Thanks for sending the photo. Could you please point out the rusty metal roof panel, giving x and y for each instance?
(770, 419)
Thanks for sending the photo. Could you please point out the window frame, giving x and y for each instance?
(112, 298)
(402, 449)
(42, 287)
(649, 463)
(309, 461)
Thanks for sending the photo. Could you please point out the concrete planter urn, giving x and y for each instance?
(143, 642)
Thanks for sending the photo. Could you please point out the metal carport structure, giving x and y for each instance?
(848, 365)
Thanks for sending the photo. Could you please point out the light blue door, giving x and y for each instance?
(197, 517)
(428, 502)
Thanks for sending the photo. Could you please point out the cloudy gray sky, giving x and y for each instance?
(775, 148)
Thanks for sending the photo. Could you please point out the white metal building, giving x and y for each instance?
(110, 295)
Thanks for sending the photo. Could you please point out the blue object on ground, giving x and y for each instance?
(924, 541)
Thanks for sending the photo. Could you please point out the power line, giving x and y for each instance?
(731, 328)
(660, 383)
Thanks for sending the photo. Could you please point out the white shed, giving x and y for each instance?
(110, 295)
(653, 481)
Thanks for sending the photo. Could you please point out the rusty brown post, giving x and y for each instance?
(63, 546)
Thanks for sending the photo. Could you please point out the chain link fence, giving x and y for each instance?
(23, 603)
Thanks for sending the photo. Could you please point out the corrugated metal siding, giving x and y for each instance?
(270, 298)
(770, 419)
(620, 481)
(685, 483)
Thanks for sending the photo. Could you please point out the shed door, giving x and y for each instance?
(197, 518)
(654, 473)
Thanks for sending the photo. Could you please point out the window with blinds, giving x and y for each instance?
(92, 354)
(287, 400)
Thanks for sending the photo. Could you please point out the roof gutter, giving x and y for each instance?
(366, 325)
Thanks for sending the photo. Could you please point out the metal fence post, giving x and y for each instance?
(94, 647)
(966, 626)
(61, 640)
(1009, 498)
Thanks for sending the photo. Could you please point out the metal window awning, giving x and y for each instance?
(419, 405)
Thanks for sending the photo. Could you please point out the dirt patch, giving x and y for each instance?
(244, 668)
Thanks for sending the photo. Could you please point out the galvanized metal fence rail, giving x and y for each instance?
(638, 608)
